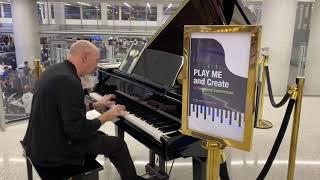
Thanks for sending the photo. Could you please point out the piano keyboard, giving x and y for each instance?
(151, 125)
(216, 115)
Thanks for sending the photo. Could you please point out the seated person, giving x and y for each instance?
(58, 132)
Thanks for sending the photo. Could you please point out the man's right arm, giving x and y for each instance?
(113, 112)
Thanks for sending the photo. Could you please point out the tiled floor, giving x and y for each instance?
(242, 165)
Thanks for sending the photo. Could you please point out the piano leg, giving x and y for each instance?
(152, 157)
(162, 165)
(156, 172)
(199, 168)
(119, 132)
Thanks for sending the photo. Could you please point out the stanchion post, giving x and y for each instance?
(295, 129)
(37, 67)
(262, 123)
(215, 152)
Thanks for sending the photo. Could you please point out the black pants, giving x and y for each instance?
(116, 149)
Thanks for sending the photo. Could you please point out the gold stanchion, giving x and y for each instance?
(262, 123)
(295, 128)
(215, 153)
(37, 67)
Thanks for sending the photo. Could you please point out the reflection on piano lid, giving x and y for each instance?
(131, 58)
(159, 67)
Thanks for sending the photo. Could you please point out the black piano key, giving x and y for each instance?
(169, 127)
(197, 112)
(163, 124)
(205, 112)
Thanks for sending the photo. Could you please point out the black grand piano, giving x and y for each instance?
(148, 86)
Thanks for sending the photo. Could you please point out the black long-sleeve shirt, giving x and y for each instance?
(58, 131)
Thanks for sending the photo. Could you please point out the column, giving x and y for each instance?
(2, 11)
(104, 13)
(46, 13)
(278, 22)
(312, 71)
(59, 13)
(160, 14)
(25, 30)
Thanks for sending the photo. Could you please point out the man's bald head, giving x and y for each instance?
(83, 47)
(85, 56)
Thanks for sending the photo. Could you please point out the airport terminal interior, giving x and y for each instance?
(146, 55)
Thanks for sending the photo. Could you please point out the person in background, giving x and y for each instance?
(27, 98)
(5, 74)
(26, 69)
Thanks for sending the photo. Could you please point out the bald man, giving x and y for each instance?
(58, 132)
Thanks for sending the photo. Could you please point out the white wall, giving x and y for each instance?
(312, 72)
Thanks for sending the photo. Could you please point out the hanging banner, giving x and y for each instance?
(219, 83)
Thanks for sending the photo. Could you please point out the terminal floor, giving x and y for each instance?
(242, 165)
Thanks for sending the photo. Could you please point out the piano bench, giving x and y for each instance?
(89, 171)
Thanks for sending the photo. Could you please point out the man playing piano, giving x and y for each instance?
(58, 132)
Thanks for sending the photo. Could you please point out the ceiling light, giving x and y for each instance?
(67, 4)
(85, 4)
(169, 5)
(126, 4)
(40, 2)
(149, 7)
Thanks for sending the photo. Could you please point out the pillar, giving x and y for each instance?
(25, 30)
(59, 13)
(312, 71)
(104, 13)
(278, 22)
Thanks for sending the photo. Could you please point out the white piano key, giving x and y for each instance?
(241, 122)
(201, 112)
(154, 132)
(209, 113)
(95, 96)
(225, 117)
(217, 115)
(235, 118)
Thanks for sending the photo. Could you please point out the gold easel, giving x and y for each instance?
(262, 123)
(215, 156)
(295, 128)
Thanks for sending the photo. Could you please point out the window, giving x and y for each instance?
(41, 13)
(113, 12)
(91, 12)
(138, 13)
(0, 11)
(7, 10)
(72, 12)
(169, 10)
(152, 14)
(52, 11)
(125, 13)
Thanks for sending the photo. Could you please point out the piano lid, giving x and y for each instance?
(169, 37)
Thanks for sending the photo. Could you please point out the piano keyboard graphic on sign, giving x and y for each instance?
(217, 115)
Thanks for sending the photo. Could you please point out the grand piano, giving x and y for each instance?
(149, 87)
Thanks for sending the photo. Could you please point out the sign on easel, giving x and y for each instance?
(219, 83)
